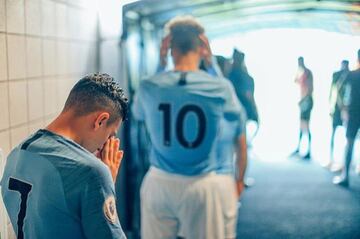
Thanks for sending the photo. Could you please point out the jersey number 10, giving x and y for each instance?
(180, 119)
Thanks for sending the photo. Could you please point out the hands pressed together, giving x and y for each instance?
(111, 155)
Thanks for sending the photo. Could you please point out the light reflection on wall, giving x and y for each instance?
(134, 57)
(110, 15)
(271, 58)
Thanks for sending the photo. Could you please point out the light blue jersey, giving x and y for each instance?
(227, 139)
(228, 136)
(182, 113)
(54, 188)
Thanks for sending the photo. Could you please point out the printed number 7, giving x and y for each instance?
(24, 190)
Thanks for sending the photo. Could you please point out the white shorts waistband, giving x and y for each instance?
(173, 176)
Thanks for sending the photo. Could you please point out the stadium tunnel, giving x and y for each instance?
(142, 31)
(47, 45)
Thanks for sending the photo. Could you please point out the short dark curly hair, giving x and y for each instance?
(96, 92)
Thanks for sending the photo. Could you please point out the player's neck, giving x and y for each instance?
(61, 126)
(188, 62)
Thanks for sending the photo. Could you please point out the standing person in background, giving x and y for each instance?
(182, 109)
(245, 88)
(336, 99)
(352, 103)
(231, 150)
(231, 157)
(224, 65)
(244, 85)
(232, 143)
(53, 184)
(304, 78)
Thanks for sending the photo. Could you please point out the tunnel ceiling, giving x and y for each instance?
(222, 17)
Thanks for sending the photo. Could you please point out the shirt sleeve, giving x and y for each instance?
(232, 107)
(98, 207)
(137, 106)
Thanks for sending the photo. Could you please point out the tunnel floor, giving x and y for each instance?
(296, 199)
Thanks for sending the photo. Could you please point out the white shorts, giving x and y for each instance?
(192, 207)
(229, 200)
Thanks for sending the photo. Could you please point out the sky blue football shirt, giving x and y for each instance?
(54, 188)
(182, 113)
(229, 133)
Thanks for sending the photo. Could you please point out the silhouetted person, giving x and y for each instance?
(353, 108)
(336, 99)
(244, 85)
(224, 65)
(304, 78)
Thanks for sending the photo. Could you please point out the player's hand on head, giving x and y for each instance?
(112, 156)
(164, 48)
(205, 49)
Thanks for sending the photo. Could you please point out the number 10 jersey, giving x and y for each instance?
(182, 113)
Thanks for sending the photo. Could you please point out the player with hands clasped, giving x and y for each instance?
(53, 184)
(111, 155)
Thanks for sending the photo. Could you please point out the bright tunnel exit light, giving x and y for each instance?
(271, 58)
(110, 15)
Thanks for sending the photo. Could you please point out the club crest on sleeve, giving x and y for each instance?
(110, 209)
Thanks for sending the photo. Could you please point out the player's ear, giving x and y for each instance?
(101, 120)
